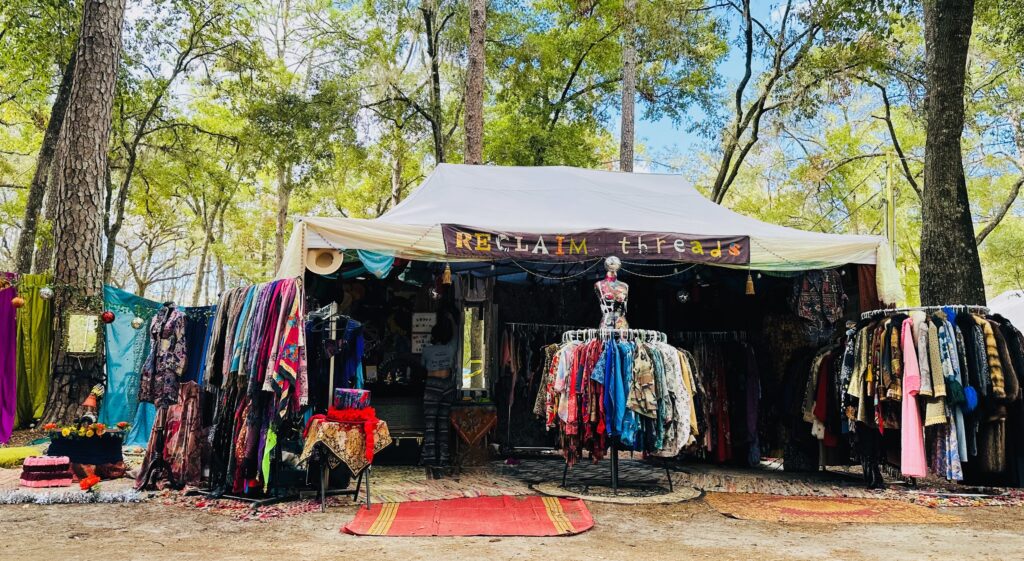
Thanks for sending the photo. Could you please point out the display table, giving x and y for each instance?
(472, 422)
(333, 444)
(95, 450)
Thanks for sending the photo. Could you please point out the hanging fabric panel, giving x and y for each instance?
(127, 348)
(8, 375)
(35, 338)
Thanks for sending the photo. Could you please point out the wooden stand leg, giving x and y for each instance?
(359, 483)
(366, 478)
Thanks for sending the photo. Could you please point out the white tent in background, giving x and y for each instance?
(1010, 305)
(553, 200)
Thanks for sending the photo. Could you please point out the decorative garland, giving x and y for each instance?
(19, 496)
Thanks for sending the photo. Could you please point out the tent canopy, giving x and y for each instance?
(550, 200)
(1010, 305)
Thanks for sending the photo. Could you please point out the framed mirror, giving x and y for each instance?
(82, 334)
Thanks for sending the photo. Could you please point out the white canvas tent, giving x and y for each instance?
(1010, 305)
(545, 200)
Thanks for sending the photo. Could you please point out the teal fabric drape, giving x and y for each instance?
(127, 348)
(35, 340)
(377, 263)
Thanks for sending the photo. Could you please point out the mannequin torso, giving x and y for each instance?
(612, 294)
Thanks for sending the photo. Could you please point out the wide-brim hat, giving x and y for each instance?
(324, 261)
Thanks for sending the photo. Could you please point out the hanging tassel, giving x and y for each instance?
(750, 284)
(447, 277)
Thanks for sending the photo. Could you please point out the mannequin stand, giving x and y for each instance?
(614, 468)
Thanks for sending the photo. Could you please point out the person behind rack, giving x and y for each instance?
(438, 359)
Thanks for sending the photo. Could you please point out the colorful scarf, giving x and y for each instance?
(365, 418)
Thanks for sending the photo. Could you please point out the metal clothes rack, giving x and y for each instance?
(893, 311)
(622, 334)
(714, 336)
(551, 326)
(513, 326)
(609, 333)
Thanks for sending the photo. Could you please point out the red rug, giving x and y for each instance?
(478, 516)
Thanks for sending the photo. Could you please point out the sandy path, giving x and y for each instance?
(676, 532)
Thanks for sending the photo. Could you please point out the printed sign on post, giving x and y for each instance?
(423, 322)
(419, 340)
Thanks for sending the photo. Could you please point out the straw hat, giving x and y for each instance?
(324, 261)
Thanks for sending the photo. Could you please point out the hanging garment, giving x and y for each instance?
(679, 413)
(198, 325)
(867, 288)
(8, 371)
(184, 436)
(166, 361)
(35, 342)
(818, 297)
(912, 455)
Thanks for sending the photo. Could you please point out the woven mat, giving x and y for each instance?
(480, 516)
(113, 491)
(824, 510)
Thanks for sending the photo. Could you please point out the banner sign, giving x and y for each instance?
(475, 243)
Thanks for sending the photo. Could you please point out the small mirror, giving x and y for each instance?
(83, 333)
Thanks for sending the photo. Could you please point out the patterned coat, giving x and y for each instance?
(166, 361)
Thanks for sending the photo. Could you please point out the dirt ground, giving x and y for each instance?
(687, 531)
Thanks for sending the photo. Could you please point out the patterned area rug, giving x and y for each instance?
(242, 510)
(481, 516)
(114, 491)
(767, 480)
(929, 494)
(388, 484)
(399, 484)
(623, 496)
(823, 510)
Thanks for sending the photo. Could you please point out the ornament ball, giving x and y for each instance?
(107, 317)
(17, 301)
(137, 323)
(46, 293)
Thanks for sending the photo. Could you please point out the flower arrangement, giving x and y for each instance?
(81, 430)
(90, 483)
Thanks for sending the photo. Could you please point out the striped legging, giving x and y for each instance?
(437, 405)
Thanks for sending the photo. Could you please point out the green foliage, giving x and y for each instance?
(220, 102)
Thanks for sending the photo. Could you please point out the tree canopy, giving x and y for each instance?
(232, 116)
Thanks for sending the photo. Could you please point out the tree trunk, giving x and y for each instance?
(475, 82)
(27, 240)
(396, 172)
(44, 253)
(950, 267)
(78, 228)
(220, 261)
(200, 280)
(284, 194)
(436, 117)
(628, 131)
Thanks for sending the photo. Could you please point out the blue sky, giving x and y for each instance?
(662, 137)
